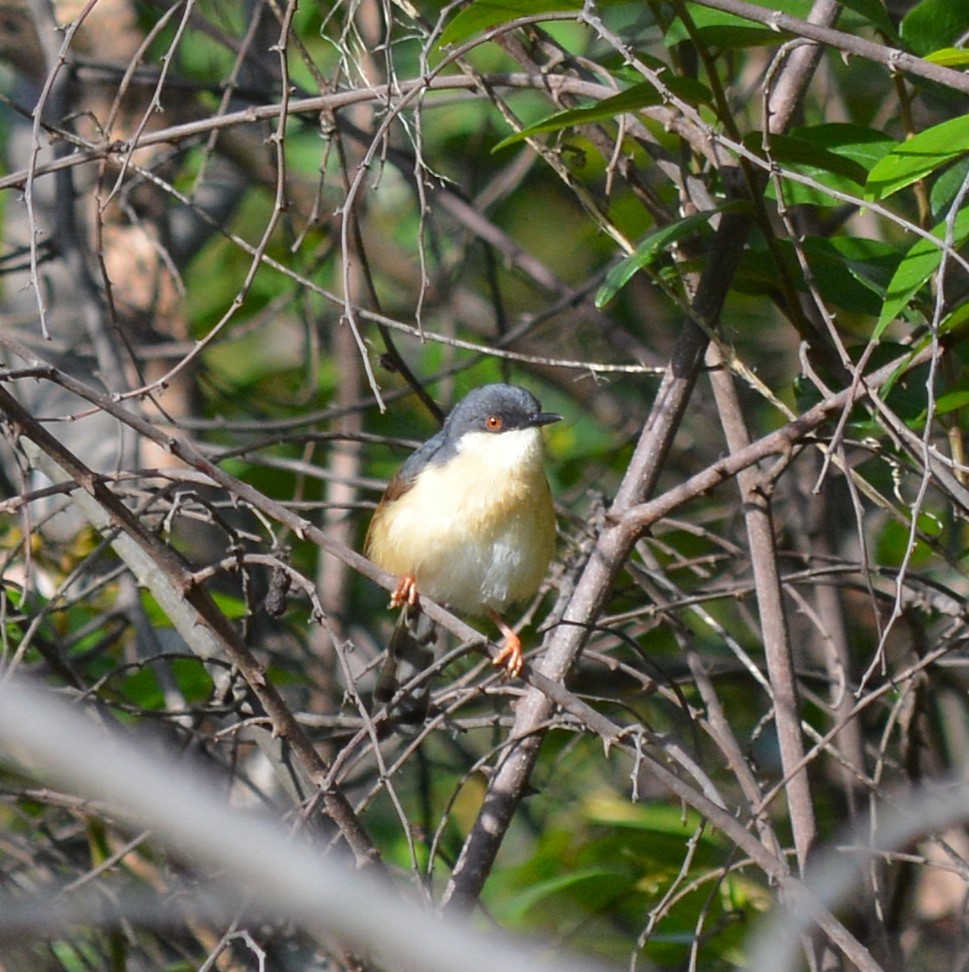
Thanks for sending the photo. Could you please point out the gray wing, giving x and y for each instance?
(435, 451)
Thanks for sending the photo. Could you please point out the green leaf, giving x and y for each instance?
(953, 57)
(483, 14)
(919, 156)
(933, 24)
(952, 401)
(871, 262)
(852, 272)
(892, 546)
(865, 146)
(836, 156)
(955, 319)
(194, 681)
(650, 817)
(875, 14)
(648, 251)
(718, 29)
(141, 688)
(788, 149)
(642, 95)
(946, 188)
(953, 323)
(231, 606)
(917, 266)
(541, 891)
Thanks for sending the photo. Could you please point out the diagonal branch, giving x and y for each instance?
(820, 31)
(565, 643)
(174, 575)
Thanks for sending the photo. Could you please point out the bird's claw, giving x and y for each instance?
(405, 592)
(510, 657)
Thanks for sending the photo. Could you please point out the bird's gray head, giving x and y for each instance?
(496, 409)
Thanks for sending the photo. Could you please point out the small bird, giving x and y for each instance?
(468, 521)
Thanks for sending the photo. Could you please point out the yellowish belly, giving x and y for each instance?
(473, 542)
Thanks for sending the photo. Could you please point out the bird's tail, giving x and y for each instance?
(410, 652)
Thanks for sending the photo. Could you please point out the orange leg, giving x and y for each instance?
(510, 657)
(405, 592)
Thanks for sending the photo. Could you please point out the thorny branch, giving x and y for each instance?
(250, 261)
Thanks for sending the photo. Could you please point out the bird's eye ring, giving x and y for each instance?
(494, 423)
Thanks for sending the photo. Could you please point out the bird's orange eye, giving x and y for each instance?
(494, 423)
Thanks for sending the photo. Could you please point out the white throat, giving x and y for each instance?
(518, 451)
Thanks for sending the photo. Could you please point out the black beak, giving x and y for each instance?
(546, 418)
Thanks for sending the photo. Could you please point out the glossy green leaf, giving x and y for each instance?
(930, 525)
(917, 266)
(953, 57)
(639, 96)
(918, 157)
(933, 24)
(484, 14)
(648, 251)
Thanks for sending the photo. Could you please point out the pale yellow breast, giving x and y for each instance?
(477, 532)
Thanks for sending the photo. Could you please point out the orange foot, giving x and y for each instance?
(405, 592)
(510, 657)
